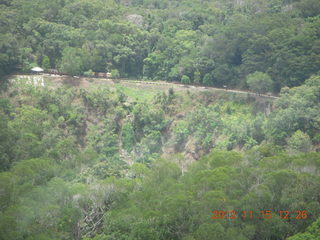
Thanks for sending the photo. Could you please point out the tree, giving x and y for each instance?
(296, 110)
(9, 50)
(299, 142)
(115, 73)
(197, 77)
(207, 79)
(185, 79)
(259, 82)
(6, 143)
(71, 62)
(313, 232)
(208, 231)
(127, 136)
(28, 129)
(46, 63)
(223, 75)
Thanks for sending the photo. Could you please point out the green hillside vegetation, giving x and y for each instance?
(95, 164)
(118, 159)
(214, 42)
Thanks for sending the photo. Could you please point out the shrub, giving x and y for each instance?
(185, 79)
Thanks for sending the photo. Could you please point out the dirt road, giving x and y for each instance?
(83, 82)
(191, 87)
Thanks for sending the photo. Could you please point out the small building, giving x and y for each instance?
(37, 70)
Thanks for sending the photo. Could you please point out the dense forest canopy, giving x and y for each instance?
(213, 42)
(109, 161)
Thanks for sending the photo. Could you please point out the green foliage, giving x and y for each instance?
(6, 143)
(185, 79)
(64, 174)
(220, 125)
(147, 119)
(46, 63)
(296, 110)
(128, 137)
(259, 82)
(72, 61)
(207, 79)
(34, 171)
(217, 181)
(197, 77)
(226, 40)
(88, 73)
(206, 231)
(313, 232)
(104, 140)
(115, 73)
(29, 127)
(299, 142)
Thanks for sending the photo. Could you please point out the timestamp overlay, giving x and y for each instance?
(262, 214)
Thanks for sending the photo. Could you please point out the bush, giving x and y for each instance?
(88, 73)
(185, 79)
(299, 142)
(260, 82)
(115, 73)
(128, 137)
(197, 77)
(46, 63)
(207, 79)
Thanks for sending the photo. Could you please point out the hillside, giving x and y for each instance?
(87, 163)
(160, 120)
(213, 43)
